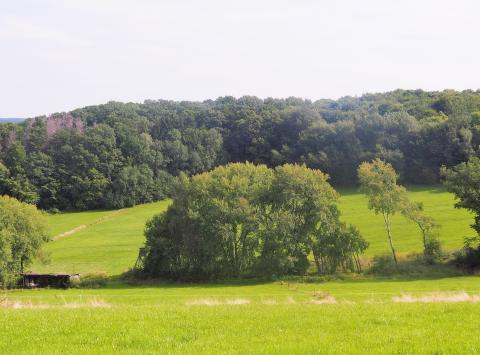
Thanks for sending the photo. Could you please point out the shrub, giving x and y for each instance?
(383, 264)
(53, 210)
(468, 258)
(92, 280)
(413, 265)
(433, 250)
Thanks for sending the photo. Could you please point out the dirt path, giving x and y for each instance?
(84, 226)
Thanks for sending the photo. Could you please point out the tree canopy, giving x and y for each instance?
(23, 230)
(248, 220)
(81, 159)
(464, 181)
(378, 180)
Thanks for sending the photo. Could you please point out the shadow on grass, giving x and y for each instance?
(435, 189)
(424, 273)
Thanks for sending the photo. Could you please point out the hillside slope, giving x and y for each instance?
(108, 241)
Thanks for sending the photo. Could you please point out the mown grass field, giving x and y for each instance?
(358, 317)
(367, 315)
(110, 240)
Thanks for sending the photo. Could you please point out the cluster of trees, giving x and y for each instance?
(85, 158)
(249, 220)
(378, 180)
(23, 229)
(463, 181)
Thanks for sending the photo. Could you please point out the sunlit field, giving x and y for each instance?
(108, 243)
(335, 317)
(455, 223)
(362, 314)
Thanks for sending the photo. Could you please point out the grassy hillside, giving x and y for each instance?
(333, 317)
(109, 240)
(65, 222)
(455, 223)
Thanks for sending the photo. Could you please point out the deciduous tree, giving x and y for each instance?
(378, 180)
(23, 230)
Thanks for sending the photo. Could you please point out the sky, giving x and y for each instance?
(58, 55)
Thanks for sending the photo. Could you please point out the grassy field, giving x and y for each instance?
(108, 243)
(63, 222)
(333, 317)
(455, 223)
(367, 315)
(109, 240)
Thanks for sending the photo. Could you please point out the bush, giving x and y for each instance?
(413, 265)
(433, 251)
(384, 265)
(468, 258)
(91, 280)
(53, 211)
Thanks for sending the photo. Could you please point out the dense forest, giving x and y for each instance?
(121, 154)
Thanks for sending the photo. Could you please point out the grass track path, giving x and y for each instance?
(85, 226)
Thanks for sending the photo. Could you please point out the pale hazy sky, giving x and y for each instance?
(60, 55)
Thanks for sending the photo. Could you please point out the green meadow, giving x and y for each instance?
(109, 240)
(454, 223)
(362, 314)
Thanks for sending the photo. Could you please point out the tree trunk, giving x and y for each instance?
(357, 261)
(424, 235)
(386, 219)
(317, 262)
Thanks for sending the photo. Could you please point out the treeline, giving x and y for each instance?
(117, 154)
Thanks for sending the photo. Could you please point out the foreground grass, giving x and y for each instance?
(261, 318)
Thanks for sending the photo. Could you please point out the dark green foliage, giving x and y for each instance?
(468, 258)
(248, 220)
(464, 181)
(55, 161)
(13, 178)
(134, 185)
(412, 266)
(432, 251)
(338, 249)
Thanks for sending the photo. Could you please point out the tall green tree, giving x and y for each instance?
(23, 230)
(310, 200)
(463, 181)
(247, 220)
(378, 180)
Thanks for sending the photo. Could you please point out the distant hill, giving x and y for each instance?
(11, 120)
